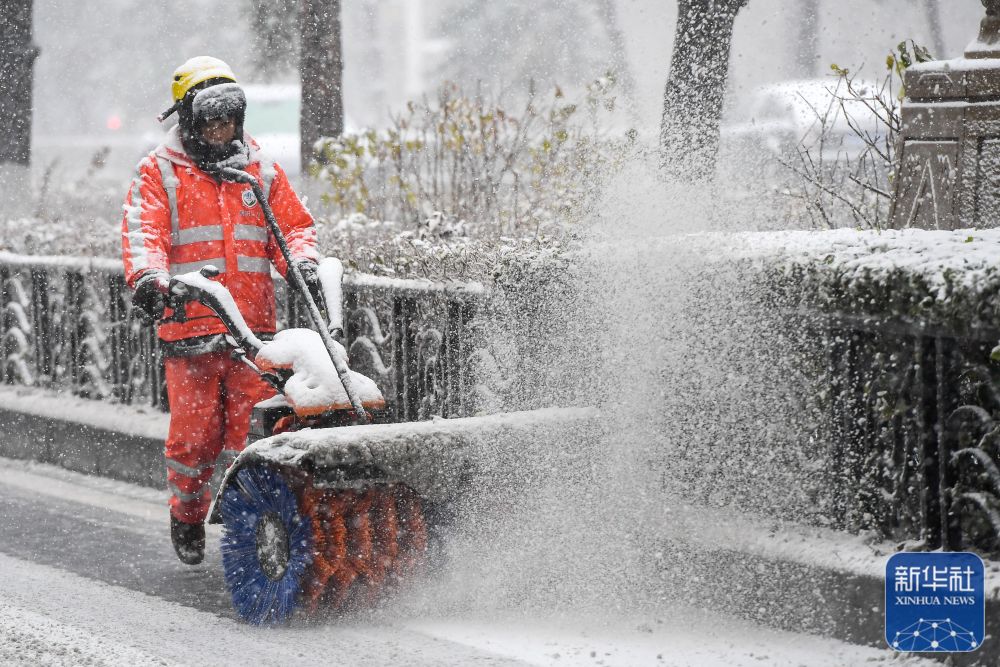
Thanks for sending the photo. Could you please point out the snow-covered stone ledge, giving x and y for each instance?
(138, 421)
(111, 440)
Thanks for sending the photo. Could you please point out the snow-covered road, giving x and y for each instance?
(89, 578)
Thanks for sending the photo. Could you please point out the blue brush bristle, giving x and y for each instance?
(256, 492)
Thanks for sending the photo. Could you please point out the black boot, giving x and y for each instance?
(189, 541)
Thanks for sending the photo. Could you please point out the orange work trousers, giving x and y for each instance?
(211, 396)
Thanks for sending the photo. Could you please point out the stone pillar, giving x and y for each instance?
(948, 155)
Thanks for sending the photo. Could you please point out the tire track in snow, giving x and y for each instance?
(106, 563)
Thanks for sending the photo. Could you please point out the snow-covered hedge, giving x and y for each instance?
(712, 393)
(896, 333)
(947, 279)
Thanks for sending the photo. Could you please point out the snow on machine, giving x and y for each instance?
(322, 531)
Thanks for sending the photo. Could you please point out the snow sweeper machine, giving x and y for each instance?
(306, 531)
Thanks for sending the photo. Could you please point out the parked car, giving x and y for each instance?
(273, 120)
(781, 117)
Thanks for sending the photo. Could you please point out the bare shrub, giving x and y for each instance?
(69, 217)
(476, 165)
(437, 250)
(843, 166)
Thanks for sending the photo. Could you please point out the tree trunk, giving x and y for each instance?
(17, 58)
(933, 13)
(375, 88)
(619, 57)
(321, 70)
(696, 87)
(276, 37)
(807, 46)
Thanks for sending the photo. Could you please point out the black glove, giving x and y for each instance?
(310, 274)
(149, 298)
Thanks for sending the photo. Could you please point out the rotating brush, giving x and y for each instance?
(267, 546)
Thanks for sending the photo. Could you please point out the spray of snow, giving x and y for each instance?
(699, 408)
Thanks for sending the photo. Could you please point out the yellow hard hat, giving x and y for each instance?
(196, 70)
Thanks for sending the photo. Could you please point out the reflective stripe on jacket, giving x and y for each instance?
(179, 219)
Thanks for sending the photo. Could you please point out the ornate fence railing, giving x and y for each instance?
(914, 411)
(914, 425)
(65, 325)
(890, 343)
(912, 405)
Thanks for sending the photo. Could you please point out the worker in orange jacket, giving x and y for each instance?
(180, 215)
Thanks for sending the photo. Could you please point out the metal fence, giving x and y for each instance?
(65, 325)
(915, 433)
(913, 411)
